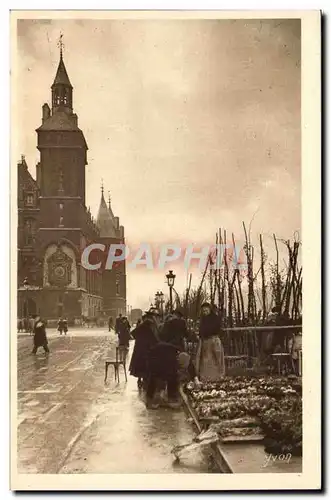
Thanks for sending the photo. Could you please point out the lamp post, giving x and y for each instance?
(171, 281)
(159, 301)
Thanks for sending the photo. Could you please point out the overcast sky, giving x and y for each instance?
(192, 124)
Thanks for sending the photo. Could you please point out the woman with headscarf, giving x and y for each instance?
(210, 363)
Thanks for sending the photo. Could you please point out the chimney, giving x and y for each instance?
(46, 112)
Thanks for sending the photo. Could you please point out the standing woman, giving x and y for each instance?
(210, 363)
(124, 333)
(145, 336)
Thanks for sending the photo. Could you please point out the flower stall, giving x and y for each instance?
(262, 410)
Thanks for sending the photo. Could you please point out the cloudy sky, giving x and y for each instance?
(192, 124)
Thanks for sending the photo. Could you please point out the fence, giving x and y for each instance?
(255, 348)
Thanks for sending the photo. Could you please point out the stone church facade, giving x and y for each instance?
(54, 224)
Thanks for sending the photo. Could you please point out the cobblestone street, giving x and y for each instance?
(69, 421)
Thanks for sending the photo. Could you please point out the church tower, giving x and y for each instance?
(65, 225)
(61, 143)
(55, 225)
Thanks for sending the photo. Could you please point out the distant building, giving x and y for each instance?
(54, 224)
(135, 315)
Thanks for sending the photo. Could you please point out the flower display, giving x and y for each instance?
(251, 406)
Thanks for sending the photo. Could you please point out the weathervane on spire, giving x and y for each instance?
(109, 199)
(60, 44)
(102, 187)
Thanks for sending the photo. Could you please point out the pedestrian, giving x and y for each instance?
(39, 338)
(169, 361)
(210, 363)
(65, 326)
(163, 367)
(175, 330)
(31, 325)
(145, 336)
(124, 333)
(110, 324)
(26, 325)
(118, 323)
(295, 349)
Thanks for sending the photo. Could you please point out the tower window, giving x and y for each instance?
(117, 286)
(29, 199)
(30, 231)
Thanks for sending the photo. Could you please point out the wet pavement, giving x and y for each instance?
(69, 421)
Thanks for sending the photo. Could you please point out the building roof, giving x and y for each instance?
(105, 220)
(61, 76)
(60, 121)
(25, 179)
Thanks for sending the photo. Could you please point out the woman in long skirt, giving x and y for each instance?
(145, 336)
(210, 363)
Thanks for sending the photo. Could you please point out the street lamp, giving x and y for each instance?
(159, 301)
(171, 281)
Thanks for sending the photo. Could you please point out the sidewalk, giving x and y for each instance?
(74, 331)
(122, 436)
(71, 422)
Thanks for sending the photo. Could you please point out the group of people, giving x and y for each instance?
(25, 325)
(160, 355)
(62, 326)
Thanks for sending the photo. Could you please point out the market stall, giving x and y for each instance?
(244, 411)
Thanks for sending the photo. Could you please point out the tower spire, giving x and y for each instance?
(60, 44)
(61, 88)
(105, 221)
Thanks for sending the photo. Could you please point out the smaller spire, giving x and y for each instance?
(109, 200)
(102, 189)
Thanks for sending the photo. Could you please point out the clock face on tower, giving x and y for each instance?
(59, 272)
(59, 268)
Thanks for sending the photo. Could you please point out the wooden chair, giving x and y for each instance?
(284, 362)
(121, 355)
